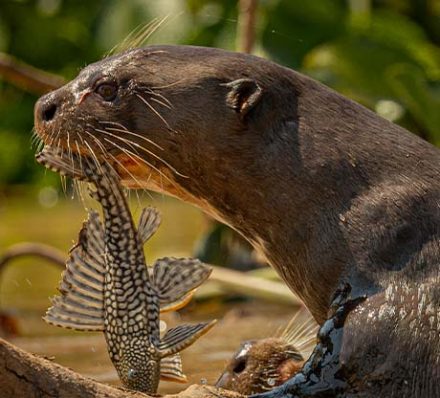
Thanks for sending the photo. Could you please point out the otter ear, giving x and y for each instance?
(243, 95)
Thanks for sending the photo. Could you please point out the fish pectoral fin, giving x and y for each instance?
(149, 221)
(176, 279)
(177, 305)
(171, 369)
(80, 305)
(63, 315)
(182, 336)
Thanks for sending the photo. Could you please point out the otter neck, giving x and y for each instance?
(294, 201)
(298, 234)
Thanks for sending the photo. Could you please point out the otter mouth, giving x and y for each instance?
(67, 161)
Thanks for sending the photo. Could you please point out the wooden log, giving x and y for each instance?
(23, 375)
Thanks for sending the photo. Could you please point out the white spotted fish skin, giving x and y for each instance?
(131, 306)
(130, 302)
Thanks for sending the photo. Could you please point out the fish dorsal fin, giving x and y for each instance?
(149, 222)
(171, 369)
(182, 336)
(80, 305)
(175, 280)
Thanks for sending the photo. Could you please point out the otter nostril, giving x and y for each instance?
(48, 112)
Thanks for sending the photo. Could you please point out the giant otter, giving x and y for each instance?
(342, 203)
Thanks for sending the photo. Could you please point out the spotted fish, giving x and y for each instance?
(107, 287)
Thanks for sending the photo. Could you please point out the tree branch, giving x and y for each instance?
(23, 375)
(28, 77)
(25, 249)
(247, 10)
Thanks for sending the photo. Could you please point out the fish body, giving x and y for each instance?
(107, 286)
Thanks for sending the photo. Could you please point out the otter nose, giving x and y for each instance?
(48, 112)
(46, 109)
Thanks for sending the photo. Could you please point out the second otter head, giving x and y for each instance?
(260, 365)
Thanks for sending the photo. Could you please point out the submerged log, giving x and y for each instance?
(23, 375)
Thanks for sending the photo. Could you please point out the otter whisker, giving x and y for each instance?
(126, 43)
(35, 139)
(40, 146)
(53, 136)
(154, 111)
(135, 135)
(160, 102)
(131, 154)
(137, 36)
(100, 146)
(161, 96)
(302, 331)
(80, 185)
(147, 33)
(168, 85)
(124, 168)
(69, 149)
(123, 129)
(105, 155)
(94, 157)
(63, 180)
(135, 144)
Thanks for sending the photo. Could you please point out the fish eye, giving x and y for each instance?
(240, 366)
(107, 90)
(132, 373)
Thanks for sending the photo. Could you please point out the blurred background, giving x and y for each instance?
(384, 54)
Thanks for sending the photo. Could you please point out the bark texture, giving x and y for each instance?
(23, 375)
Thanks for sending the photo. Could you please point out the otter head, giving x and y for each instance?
(171, 118)
(260, 365)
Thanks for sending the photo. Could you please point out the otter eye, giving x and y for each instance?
(240, 366)
(107, 91)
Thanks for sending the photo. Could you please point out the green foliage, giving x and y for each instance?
(375, 51)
